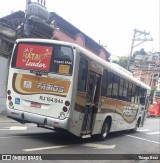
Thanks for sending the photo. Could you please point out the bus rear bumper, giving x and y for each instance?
(40, 120)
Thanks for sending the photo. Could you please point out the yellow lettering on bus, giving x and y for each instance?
(32, 56)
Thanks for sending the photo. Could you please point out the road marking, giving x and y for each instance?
(95, 146)
(143, 139)
(99, 146)
(4, 129)
(22, 136)
(31, 125)
(5, 137)
(18, 128)
(143, 130)
(153, 133)
(44, 148)
(9, 137)
(15, 128)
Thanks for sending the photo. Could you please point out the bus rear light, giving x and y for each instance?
(65, 109)
(9, 98)
(8, 92)
(67, 103)
(11, 103)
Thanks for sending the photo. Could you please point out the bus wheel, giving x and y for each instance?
(105, 130)
(135, 128)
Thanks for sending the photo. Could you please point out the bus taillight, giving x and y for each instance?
(65, 109)
(8, 92)
(9, 98)
(67, 103)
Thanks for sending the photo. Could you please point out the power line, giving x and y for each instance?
(136, 37)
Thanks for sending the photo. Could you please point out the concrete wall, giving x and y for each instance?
(3, 83)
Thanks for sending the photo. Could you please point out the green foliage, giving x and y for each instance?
(153, 89)
(123, 61)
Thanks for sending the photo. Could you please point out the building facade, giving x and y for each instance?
(147, 69)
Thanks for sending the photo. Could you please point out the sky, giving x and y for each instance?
(109, 22)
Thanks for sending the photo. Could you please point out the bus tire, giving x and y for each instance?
(105, 130)
(135, 128)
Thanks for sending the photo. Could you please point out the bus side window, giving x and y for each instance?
(115, 86)
(104, 83)
(129, 94)
(82, 76)
(109, 84)
(142, 96)
(121, 85)
(125, 90)
(133, 93)
(136, 94)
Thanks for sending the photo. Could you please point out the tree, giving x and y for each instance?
(123, 61)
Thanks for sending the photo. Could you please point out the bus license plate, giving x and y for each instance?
(35, 105)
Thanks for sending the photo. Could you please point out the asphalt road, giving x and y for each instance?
(16, 138)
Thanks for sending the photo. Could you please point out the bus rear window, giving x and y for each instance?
(49, 58)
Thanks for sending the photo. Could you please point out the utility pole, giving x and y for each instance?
(136, 37)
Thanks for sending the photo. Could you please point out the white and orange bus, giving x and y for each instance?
(59, 85)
